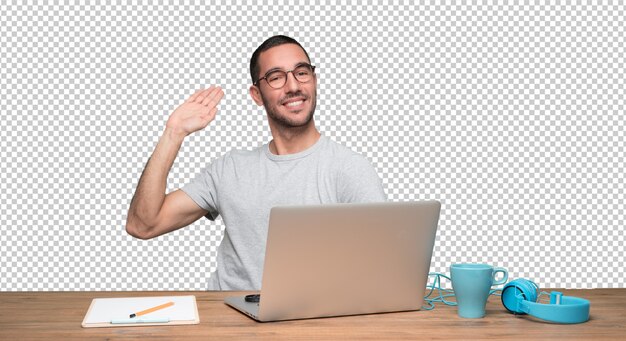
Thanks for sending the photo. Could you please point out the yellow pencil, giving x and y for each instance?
(147, 311)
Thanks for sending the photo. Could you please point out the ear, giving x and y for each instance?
(256, 95)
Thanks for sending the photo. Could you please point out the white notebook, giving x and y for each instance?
(115, 312)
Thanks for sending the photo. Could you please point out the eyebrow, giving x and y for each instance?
(277, 68)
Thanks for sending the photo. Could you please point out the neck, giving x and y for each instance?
(293, 140)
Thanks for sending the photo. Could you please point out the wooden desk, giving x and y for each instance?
(58, 316)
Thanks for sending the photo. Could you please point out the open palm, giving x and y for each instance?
(197, 111)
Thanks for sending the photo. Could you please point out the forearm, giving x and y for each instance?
(150, 193)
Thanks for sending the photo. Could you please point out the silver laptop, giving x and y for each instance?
(344, 259)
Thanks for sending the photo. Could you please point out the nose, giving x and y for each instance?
(292, 84)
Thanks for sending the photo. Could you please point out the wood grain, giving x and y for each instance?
(58, 315)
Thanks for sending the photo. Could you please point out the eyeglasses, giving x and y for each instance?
(276, 79)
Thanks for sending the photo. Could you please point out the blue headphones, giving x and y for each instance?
(520, 297)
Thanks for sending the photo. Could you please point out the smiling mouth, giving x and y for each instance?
(294, 104)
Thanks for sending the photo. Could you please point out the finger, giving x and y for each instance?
(194, 96)
(204, 93)
(212, 113)
(209, 117)
(213, 98)
(210, 95)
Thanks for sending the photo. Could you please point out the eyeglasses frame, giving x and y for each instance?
(287, 73)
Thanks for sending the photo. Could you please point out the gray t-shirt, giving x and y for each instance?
(242, 187)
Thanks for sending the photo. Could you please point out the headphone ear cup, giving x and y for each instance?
(517, 291)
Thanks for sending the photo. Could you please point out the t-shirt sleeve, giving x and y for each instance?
(359, 182)
(203, 189)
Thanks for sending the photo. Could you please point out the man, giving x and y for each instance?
(298, 166)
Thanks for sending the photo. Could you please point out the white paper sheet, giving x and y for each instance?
(106, 309)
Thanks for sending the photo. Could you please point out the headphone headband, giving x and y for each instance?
(520, 297)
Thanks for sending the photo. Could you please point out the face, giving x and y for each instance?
(292, 105)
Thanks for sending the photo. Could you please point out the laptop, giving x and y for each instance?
(344, 259)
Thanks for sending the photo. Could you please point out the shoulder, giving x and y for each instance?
(339, 150)
(357, 179)
(233, 159)
(348, 158)
(243, 155)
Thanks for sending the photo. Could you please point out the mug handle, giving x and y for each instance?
(504, 278)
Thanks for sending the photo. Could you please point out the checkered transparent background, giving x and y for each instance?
(511, 115)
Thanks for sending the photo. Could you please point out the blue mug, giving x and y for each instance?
(471, 284)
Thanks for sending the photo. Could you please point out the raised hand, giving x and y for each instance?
(196, 112)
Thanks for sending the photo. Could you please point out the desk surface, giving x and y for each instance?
(58, 316)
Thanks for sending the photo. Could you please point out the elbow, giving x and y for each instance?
(138, 229)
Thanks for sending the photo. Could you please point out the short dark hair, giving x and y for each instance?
(268, 44)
